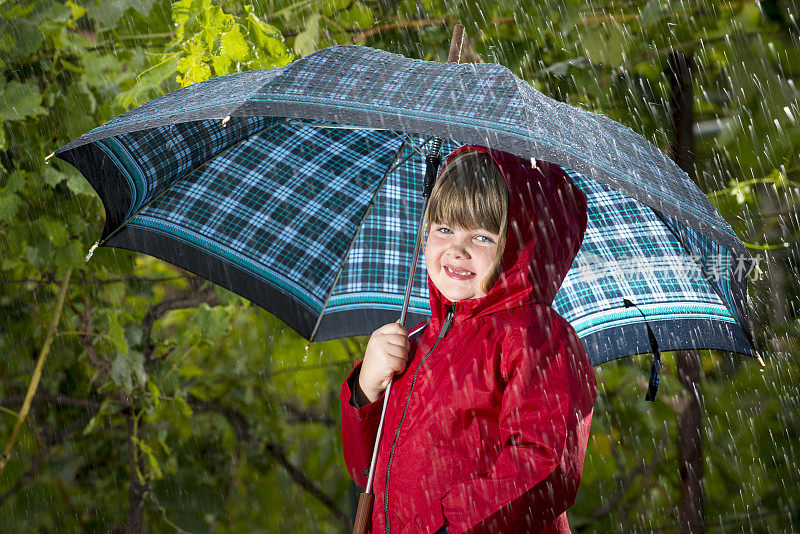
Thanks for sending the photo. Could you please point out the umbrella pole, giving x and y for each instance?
(432, 162)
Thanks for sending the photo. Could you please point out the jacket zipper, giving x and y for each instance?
(448, 322)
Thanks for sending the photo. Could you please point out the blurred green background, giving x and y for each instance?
(169, 405)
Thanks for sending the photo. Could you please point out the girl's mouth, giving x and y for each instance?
(458, 274)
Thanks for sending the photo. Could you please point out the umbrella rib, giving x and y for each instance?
(335, 126)
(391, 169)
(721, 298)
(414, 147)
(406, 138)
(195, 169)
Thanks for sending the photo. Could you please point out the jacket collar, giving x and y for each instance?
(546, 223)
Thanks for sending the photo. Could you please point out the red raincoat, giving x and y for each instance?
(486, 430)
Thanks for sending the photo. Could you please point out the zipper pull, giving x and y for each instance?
(448, 321)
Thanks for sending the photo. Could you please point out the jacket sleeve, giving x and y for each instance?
(544, 423)
(359, 428)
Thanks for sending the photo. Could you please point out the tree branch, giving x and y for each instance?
(190, 298)
(87, 325)
(301, 415)
(624, 480)
(306, 483)
(127, 279)
(50, 442)
(241, 428)
(306, 367)
(37, 372)
(138, 489)
(44, 398)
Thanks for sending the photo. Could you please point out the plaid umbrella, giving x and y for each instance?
(298, 188)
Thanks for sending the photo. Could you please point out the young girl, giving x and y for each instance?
(491, 404)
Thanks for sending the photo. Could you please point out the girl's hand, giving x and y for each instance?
(386, 354)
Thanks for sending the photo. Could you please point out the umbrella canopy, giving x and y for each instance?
(299, 189)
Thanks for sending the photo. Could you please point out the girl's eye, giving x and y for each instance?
(444, 230)
(485, 239)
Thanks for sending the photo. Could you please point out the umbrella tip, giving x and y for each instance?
(91, 251)
(760, 361)
(533, 163)
(49, 157)
(226, 120)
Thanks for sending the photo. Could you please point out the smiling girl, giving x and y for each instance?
(489, 417)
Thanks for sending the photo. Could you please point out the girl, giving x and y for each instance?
(491, 405)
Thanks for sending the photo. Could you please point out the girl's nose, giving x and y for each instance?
(459, 249)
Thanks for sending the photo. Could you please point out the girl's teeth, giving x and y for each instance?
(463, 273)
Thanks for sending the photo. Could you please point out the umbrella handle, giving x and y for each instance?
(366, 499)
(364, 513)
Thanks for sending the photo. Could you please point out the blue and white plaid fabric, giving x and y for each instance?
(306, 197)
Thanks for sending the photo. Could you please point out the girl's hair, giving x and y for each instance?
(471, 193)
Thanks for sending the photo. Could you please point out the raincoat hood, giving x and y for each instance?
(547, 216)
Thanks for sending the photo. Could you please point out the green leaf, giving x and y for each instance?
(190, 370)
(55, 230)
(220, 64)
(164, 446)
(117, 334)
(127, 368)
(109, 407)
(108, 12)
(749, 17)
(652, 12)
(9, 200)
(358, 16)
(53, 176)
(19, 101)
(155, 469)
(39, 255)
(183, 408)
(136, 359)
(16, 181)
(266, 37)
(149, 83)
(91, 425)
(76, 11)
(121, 373)
(9, 203)
(79, 185)
(607, 43)
(185, 10)
(133, 334)
(194, 69)
(212, 322)
(155, 393)
(234, 45)
(20, 37)
(306, 41)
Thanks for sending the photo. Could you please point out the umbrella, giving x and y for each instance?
(298, 188)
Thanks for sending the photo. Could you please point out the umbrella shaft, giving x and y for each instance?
(377, 440)
(414, 260)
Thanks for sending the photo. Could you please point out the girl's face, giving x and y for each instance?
(459, 261)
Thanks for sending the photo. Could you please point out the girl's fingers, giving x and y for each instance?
(396, 351)
(398, 365)
(398, 341)
(393, 328)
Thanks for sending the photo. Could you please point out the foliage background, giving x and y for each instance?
(169, 405)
